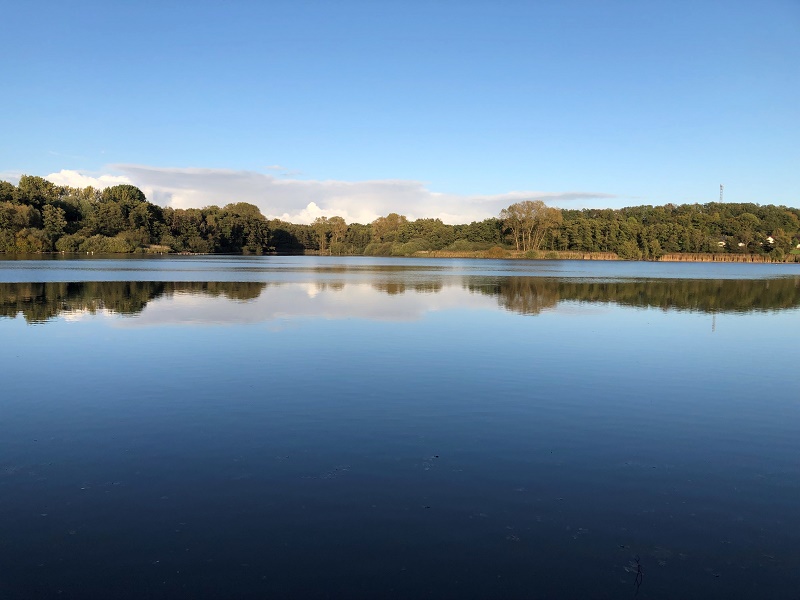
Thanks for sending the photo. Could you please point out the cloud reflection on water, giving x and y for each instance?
(311, 301)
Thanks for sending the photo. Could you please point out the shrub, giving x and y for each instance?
(70, 243)
(497, 252)
(379, 249)
(103, 244)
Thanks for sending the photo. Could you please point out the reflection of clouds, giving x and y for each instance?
(312, 289)
(581, 308)
(84, 314)
(305, 301)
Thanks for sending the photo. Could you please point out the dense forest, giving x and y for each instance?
(40, 302)
(39, 216)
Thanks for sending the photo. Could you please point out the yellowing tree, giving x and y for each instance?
(385, 229)
(529, 221)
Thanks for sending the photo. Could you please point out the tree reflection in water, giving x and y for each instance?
(39, 302)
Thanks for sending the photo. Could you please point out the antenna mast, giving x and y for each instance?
(721, 187)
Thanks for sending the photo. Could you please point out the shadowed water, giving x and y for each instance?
(312, 427)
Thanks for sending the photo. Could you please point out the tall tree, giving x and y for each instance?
(54, 222)
(322, 227)
(529, 222)
(512, 221)
(338, 229)
(385, 229)
(36, 191)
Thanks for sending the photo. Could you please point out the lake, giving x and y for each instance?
(323, 427)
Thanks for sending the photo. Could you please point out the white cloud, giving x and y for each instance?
(301, 201)
(79, 180)
(283, 171)
(11, 176)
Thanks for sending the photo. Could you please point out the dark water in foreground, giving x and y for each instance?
(364, 428)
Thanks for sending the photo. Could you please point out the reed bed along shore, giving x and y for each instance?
(738, 258)
(572, 255)
(497, 252)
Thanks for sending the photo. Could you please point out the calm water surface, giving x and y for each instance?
(202, 427)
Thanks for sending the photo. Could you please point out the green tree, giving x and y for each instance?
(36, 191)
(338, 228)
(55, 222)
(7, 192)
(322, 227)
(108, 218)
(782, 240)
(126, 195)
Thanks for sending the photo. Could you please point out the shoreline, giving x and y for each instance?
(496, 253)
(499, 253)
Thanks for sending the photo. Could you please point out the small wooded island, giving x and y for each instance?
(38, 216)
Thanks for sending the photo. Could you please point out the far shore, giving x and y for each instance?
(492, 253)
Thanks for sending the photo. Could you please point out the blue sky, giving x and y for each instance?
(449, 109)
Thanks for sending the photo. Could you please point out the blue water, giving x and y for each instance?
(315, 268)
(321, 427)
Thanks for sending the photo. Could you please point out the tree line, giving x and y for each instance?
(39, 216)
